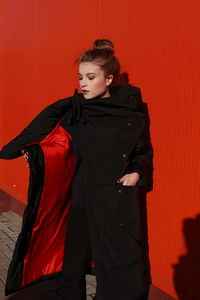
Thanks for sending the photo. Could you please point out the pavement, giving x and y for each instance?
(10, 226)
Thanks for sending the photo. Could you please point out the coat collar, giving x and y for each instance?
(124, 101)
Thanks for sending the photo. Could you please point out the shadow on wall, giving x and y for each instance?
(123, 79)
(187, 270)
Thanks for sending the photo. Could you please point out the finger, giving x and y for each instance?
(22, 151)
(26, 156)
(128, 183)
(120, 179)
(124, 182)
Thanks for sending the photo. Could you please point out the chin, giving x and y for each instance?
(88, 97)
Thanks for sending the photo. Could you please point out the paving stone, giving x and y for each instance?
(91, 279)
(2, 292)
(91, 290)
(11, 244)
(90, 297)
(3, 274)
(10, 225)
(6, 250)
(13, 218)
(4, 261)
(13, 233)
(5, 223)
(1, 284)
(2, 296)
(3, 236)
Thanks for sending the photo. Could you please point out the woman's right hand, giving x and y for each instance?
(26, 157)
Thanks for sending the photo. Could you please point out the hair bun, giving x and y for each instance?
(104, 45)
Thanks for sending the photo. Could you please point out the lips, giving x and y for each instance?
(85, 91)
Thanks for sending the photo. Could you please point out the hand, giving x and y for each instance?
(25, 156)
(129, 179)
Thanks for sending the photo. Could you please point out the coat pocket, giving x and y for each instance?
(128, 203)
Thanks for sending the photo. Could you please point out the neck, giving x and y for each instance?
(106, 93)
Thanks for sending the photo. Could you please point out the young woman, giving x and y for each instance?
(88, 154)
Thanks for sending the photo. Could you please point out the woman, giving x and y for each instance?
(102, 133)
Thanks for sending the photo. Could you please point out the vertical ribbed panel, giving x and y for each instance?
(158, 43)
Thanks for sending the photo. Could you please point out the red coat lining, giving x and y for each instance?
(46, 249)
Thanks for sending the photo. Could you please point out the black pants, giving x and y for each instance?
(122, 283)
(77, 254)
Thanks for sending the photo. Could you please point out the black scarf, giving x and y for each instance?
(124, 101)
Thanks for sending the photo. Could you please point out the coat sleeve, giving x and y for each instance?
(141, 160)
(38, 129)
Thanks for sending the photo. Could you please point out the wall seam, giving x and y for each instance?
(100, 18)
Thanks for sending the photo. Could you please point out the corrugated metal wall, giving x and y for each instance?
(158, 43)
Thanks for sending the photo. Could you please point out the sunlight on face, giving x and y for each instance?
(93, 81)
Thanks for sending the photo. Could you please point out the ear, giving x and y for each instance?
(109, 79)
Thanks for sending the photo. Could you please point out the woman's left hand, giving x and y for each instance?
(129, 179)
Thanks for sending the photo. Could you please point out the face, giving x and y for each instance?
(93, 81)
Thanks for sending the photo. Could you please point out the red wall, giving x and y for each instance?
(158, 43)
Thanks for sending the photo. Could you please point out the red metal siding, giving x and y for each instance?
(158, 43)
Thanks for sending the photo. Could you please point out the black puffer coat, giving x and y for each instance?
(115, 141)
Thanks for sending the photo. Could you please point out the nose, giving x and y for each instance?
(83, 83)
